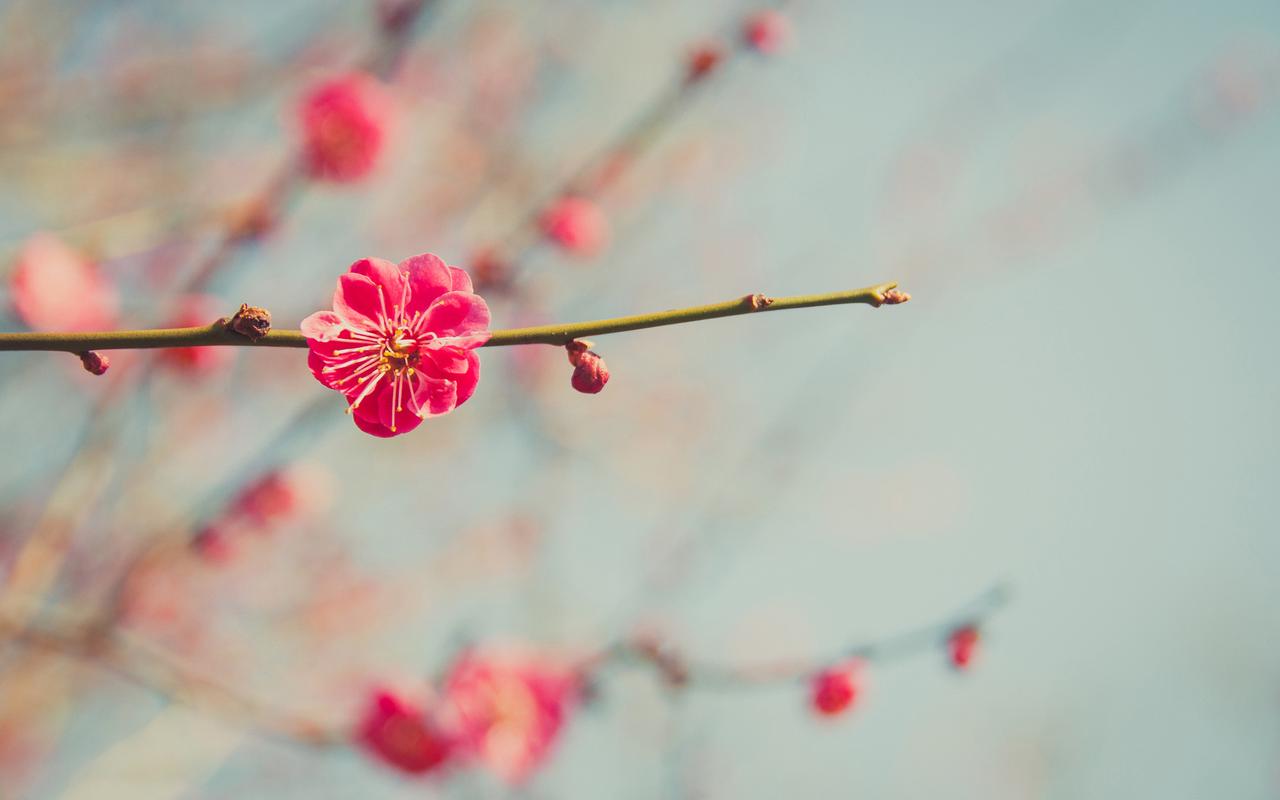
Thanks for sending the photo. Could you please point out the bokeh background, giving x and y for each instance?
(1079, 403)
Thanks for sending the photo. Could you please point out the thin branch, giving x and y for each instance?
(219, 335)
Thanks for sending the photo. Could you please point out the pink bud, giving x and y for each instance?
(95, 362)
(835, 689)
(577, 225)
(767, 31)
(591, 374)
(962, 646)
(704, 60)
(589, 371)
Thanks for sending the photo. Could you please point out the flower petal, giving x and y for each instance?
(429, 278)
(359, 302)
(322, 326)
(385, 274)
(458, 314)
(461, 280)
(467, 381)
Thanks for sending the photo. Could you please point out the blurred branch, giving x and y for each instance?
(678, 672)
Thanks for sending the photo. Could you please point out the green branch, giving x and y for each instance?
(219, 335)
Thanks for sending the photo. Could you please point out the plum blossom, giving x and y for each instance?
(509, 708)
(400, 341)
(344, 124)
(55, 288)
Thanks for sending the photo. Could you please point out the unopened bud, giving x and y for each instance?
(893, 297)
(251, 322)
(589, 371)
(767, 31)
(95, 362)
(703, 61)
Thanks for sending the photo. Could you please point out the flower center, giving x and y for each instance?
(399, 355)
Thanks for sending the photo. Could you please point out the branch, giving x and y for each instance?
(220, 335)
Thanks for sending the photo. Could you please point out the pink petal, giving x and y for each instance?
(461, 280)
(322, 326)
(450, 361)
(429, 278)
(384, 274)
(458, 314)
(435, 396)
(467, 381)
(358, 302)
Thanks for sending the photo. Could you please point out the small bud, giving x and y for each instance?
(589, 371)
(758, 302)
(962, 646)
(213, 544)
(703, 61)
(251, 322)
(664, 658)
(767, 31)
(835, 689)
(894, 297)
(577, 225)
(95, 362)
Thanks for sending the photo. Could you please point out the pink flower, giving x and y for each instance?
(508, 709)
(344, 127)
(193, 311)
(55, 288)
(399, 342)
(402, 735)
(576, 224)
(767, 31)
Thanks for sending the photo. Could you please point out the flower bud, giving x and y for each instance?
(95, 362)
(577, 225)
(835, 689)
(589, 371)
(703, 61)
(251, 322)
(962, 646)
(767, 31)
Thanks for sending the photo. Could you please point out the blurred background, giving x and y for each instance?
(1078, 404)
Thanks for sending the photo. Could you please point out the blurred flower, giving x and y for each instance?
(509, 708)
(55, 288)
(767, 31)
(400, 341)
(835, 689)
(261, 507)
(577, 225)
(344, 127)
(193, 311)
(401, 735)
(962, 646)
